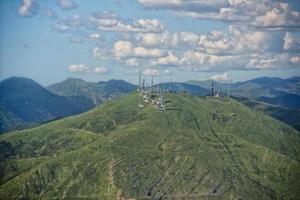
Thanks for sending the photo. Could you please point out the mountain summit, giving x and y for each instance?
(199, 148)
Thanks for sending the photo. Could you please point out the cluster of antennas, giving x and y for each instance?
(151, 95)
(216, 93)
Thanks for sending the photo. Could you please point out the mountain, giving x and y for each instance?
(24, 102)
(97, 92)
(286, 101)
(182, 87)
(200, 148)
(275, 91)
(241, 89)
(289, 116)
(290, 85)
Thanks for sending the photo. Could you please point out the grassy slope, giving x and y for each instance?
(289, 116)
(202, 148)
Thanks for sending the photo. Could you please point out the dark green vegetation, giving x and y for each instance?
(200, 148)
(97, 92)
(23, 102)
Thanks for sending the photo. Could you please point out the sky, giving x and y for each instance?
(172, 40)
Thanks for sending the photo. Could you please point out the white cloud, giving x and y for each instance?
(61, 27)
(295, 60)
(101, 70)
(94, 36)
(97, 53)
(291, 41)
(267, 14)
(79, 68)
(220, 77)
(66, 4)
(125, 49)
(109, 21)
(280, 15)
(122, 48)
(132, 62)
(272, 61)
(27, 8)
(170, 59)
(151, 72)
(144, 52)
(156, 72)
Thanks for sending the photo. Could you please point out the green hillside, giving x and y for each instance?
(200, 148)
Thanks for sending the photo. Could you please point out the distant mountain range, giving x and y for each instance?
(97, 92)
(24, 103)
(275, 91)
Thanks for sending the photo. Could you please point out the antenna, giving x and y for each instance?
(212, 88)
(152, 85)
(143, 84)
(228, 90)
(140, 80)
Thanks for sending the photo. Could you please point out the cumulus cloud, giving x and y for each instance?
(122, 48)
(156, 72)
(132, 62)
(146, 53)
(295, 60)
(27, 8)
(170, 59)
(61, 27)
(109, 21)
(264, 14)
(65, 25)
(151, 72)
(67, 4)
(220, 77)
(291, 41)
(164, 39)
(79, 68)
(272, 61)
(94, 37)
(280, 15)
(125, 49)
(101, 70)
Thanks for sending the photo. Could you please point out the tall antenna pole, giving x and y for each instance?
(140, 80)
(228, 92)
(212, 88)
(152, 84)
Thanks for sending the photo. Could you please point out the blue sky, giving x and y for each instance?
(228, 40)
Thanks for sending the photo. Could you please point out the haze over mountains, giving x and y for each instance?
(199, 148)
(25, 103)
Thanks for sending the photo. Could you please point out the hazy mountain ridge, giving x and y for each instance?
(24, 102)
(276, 91)
(200, 148)
(98, 92)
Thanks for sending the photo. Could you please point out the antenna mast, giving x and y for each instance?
(212, 88)
(140, 80)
